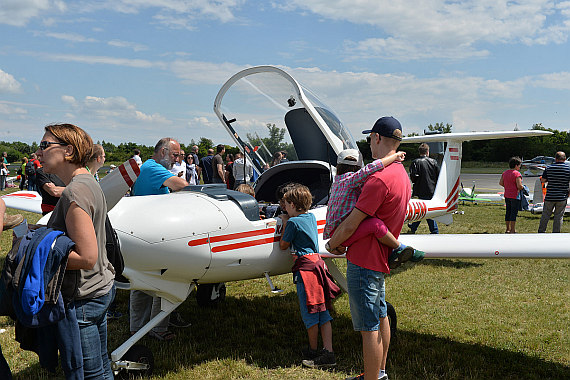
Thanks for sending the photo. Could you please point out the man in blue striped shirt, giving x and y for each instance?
(557, 177)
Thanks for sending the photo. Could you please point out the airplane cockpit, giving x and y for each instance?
(265, 110)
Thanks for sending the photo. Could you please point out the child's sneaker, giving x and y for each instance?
(310, 354)
(324, 360)
(417, 256)
(398, 257)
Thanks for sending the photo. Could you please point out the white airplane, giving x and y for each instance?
(204, 236)
(536, 166)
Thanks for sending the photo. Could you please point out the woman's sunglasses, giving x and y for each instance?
(45, 144)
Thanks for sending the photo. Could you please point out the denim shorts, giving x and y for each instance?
(366, 294)
(309, 319)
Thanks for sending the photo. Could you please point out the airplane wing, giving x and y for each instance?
(486, 246)
(114, 185)
(24, 200)
(471, 136)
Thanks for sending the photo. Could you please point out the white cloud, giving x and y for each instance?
(8, 84)
(12, 111)
(557, 81)
(20, 12)
(117, 109)
(93, 59)
(72, 37)
(417, 29)
(178, 14)
(204, 72)
(129, 45)
(406, 50)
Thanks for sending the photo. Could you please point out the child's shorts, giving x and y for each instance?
(310, 319)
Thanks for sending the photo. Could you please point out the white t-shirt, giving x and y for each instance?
(177, 168)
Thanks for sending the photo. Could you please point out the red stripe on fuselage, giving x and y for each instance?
(245, 244)
(239, 235)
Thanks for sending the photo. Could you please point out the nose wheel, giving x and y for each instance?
(138, 361)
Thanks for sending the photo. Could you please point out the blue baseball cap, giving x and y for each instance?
(385, 126)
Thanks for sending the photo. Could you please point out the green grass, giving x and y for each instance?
(457, 319)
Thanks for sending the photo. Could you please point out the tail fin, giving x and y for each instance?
(448, 184)
(116, 184)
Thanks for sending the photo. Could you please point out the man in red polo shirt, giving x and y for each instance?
(385, 195)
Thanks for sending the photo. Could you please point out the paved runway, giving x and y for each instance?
(489, 183)
(484, 183)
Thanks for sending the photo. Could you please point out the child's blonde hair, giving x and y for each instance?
(245, 188)
(300, 196)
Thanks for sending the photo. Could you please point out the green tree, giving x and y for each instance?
(203, 145)
(440, 127)
(274, 143)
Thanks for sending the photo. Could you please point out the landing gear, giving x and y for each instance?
(210, 294)
(392, 319)
(138, 361)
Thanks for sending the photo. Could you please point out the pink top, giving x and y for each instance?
(345, 191)
(385, 196)
(510, 183)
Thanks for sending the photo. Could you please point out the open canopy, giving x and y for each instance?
(259, 104)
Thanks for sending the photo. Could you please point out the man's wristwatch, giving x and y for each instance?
(328, 247)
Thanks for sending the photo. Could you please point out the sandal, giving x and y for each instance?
(162, 336)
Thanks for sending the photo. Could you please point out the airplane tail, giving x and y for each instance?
(117, 183)
(448, 184)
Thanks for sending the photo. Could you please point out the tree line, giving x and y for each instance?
(484, 151)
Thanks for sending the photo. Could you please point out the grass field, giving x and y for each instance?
(457, 319)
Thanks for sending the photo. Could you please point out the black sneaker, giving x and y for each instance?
(324, 360)
(310, 354)
(176, 320)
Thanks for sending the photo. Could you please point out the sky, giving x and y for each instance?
(139, 70)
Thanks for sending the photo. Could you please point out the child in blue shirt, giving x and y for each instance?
(315, 287)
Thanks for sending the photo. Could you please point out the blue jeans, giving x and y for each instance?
(366, 297)
(309, 319)
(32, 183)
(431, 223)
(92, 319)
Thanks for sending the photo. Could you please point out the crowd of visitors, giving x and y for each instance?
(366, 210)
